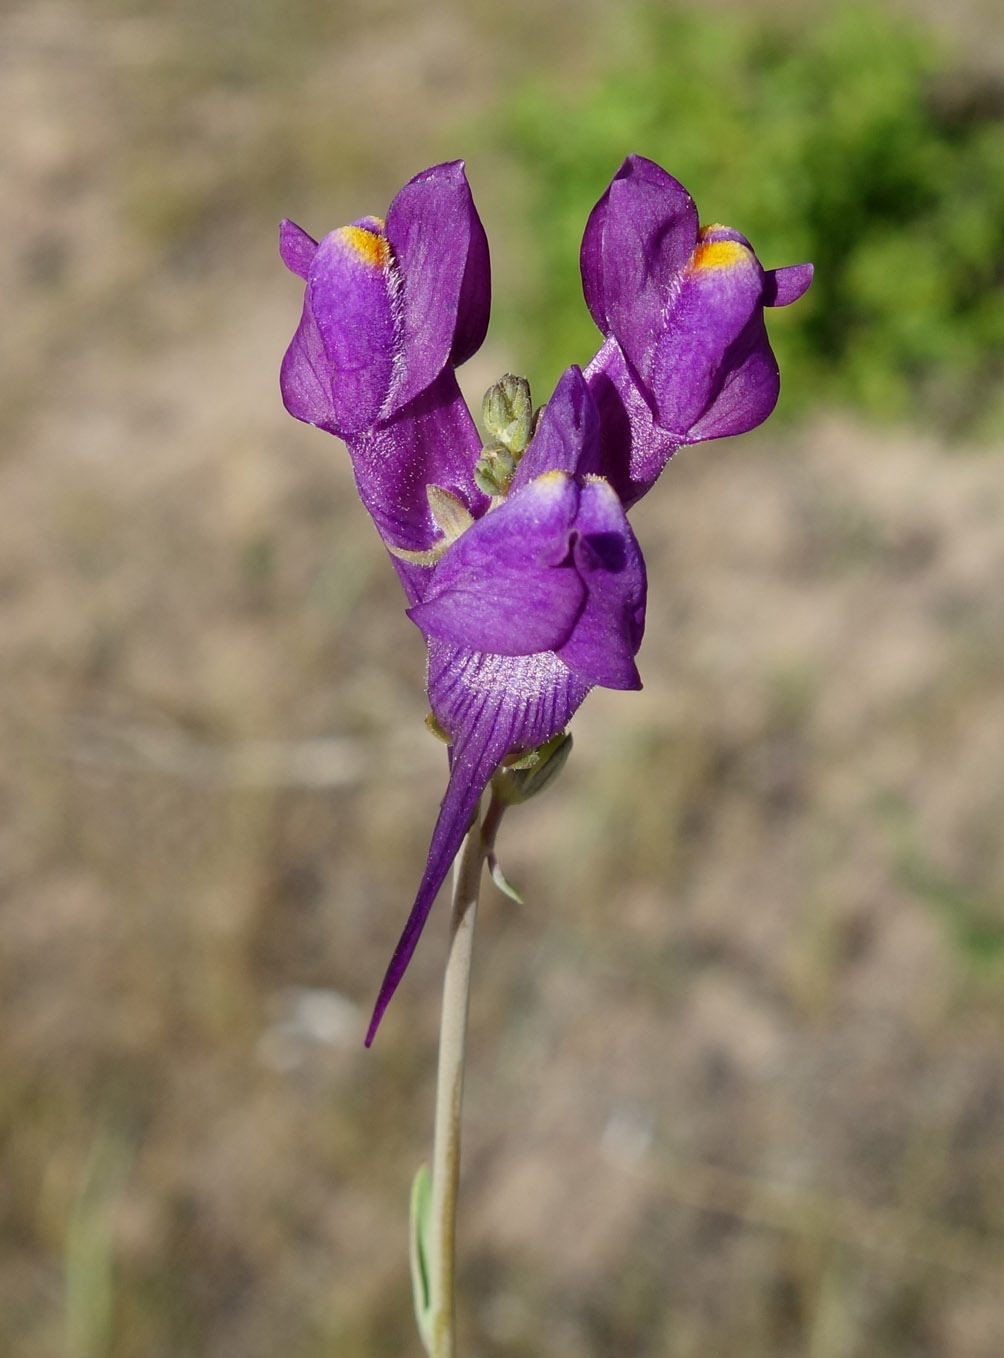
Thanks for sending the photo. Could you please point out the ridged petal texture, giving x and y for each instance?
(539, 601)
(490, 705)
(510, 584)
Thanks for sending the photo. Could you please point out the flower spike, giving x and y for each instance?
(516, 555)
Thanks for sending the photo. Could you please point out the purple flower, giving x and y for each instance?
(517, 559)
(687, 356)
(534, 604)
(387, 305)
(389, 309)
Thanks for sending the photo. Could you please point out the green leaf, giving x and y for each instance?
(418, 1253)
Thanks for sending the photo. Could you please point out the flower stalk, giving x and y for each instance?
(434, 1205)
(450, 1090)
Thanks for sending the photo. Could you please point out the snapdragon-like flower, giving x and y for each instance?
(687, 356)
(516, 556)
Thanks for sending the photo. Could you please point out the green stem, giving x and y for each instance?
(450, 1079)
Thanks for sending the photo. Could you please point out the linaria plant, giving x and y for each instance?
(514, 548)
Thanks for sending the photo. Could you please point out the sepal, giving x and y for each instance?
(529, 774)
(434, 728)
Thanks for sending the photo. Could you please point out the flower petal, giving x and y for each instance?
(716, 296)
(649, 230)
(296, 248)
(749, 386)
(349, 292)
(432, 441)
(607, 635)
(475, 301)
(441, 251)
(567, 436)
(508, 585)
(784, 286)
(591, 262)
(633, 449)
(305, 376)
(491, 705)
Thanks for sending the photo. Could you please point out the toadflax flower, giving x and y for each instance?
(516, 556)
(686, 356)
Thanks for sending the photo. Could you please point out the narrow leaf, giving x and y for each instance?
(418, 1253)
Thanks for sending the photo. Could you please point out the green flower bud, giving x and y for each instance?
(495, 469)
(507, 412)
(484, 479)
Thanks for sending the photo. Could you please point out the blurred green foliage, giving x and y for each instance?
(850, 141)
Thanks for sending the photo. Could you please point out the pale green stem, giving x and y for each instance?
(450, 1079)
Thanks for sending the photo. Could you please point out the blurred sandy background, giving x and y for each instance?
(737, 1079)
